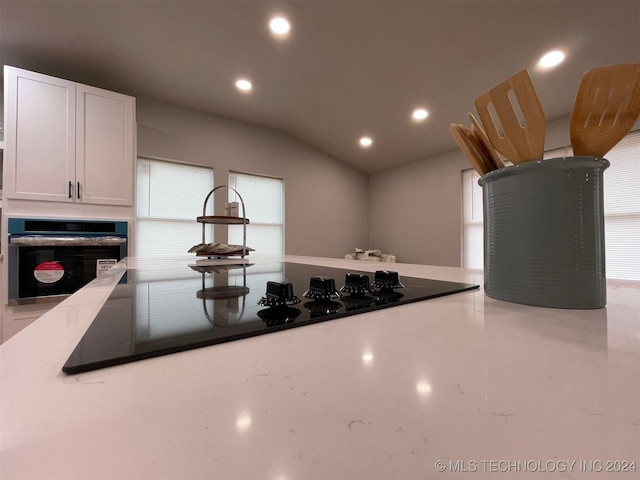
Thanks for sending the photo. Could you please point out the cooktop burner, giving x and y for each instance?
(157, 312)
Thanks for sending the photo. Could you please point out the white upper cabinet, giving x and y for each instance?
(67, 142)
(39, 136)
(105, 123)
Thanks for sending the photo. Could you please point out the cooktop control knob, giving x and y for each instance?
(321, 289)
(356, 284)
(386, 281)
(278, 294)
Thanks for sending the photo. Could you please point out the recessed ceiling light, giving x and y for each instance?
(367, 358)
(279, 25)
(244, 85)
(551, 59)
(365, 142)
(419, 114)
(423, 388)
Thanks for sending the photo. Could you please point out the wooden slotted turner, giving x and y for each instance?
(607, 106)
(520, 127)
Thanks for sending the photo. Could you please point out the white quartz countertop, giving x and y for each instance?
(462, 386)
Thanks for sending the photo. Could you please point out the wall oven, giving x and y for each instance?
(51, 258)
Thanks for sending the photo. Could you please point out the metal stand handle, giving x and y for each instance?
(244, 216)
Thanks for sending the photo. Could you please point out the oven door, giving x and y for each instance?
(38, 272)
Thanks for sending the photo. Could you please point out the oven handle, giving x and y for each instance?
(45, 241)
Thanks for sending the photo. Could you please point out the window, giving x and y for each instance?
(264, 203)
(169, 198)
(621, 211)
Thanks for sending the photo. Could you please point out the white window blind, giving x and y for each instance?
(169, 198)
(473, 255)
(264, 203)
(621, 211)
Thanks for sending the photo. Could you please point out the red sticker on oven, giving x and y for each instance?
(48, 272)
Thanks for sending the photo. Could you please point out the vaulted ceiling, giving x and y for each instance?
(346, 68)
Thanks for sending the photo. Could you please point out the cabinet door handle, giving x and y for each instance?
(70, 187)
(78, 191)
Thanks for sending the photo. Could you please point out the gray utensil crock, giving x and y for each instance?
(544, 233)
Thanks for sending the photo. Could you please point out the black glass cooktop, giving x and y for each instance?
(156, 312)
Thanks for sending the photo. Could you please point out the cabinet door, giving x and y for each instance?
(104, 146)
(39, 136)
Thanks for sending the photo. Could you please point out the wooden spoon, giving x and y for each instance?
(478, 133)
(522, 139)
(469, 148)
(606, 108)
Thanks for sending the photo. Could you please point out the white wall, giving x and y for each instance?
(415, 211)
(326, 201)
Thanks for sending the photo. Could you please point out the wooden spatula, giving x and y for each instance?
(478, 133)
(606, 108)
(518, 139)
(463, 138)
(478, 147)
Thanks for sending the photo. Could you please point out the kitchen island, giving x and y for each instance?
(460, 386)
